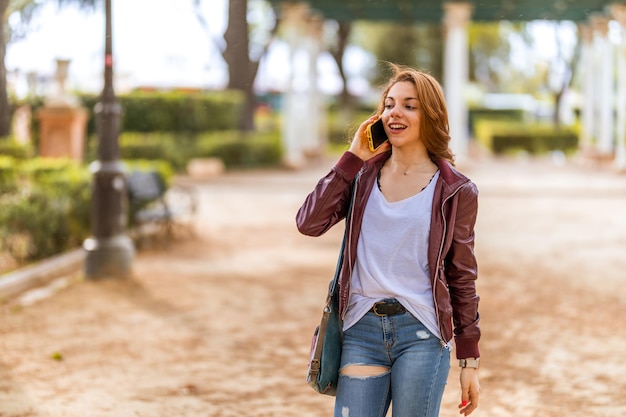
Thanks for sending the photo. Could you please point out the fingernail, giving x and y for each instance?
(463, 403)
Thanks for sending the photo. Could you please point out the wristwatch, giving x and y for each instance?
(469, 363)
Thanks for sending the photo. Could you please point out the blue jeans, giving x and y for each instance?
(418, 364)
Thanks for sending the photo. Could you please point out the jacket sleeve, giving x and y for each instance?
(327, 204)
(462, 272)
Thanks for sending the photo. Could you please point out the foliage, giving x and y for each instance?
(161, 166)
(47, 209)
(171, 147)
(49, 213)
(236, 149)
(8, 175)
(174, 111)
(340, 132)
(490, 115)
(242, 149)
(255, 148)
(22, 12)
(250, 30)
(418, 45)
(532, 57)
(503, 136)
(491, 49)
(10, 147)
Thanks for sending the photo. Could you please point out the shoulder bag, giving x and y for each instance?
(327, 340)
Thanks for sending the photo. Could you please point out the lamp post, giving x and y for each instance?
(109, 251)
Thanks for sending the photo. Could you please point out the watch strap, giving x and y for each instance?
(469, 363)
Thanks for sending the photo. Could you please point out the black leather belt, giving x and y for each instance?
(388, 308)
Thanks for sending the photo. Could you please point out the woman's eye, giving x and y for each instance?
(388, 106)
(410, 107)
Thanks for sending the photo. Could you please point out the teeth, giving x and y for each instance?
(397, 126)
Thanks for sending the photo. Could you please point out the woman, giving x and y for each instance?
(407, 284)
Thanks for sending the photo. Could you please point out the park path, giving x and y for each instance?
(220, 324)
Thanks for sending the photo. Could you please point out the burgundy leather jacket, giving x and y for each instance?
(453, 269)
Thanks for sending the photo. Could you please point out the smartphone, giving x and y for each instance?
(376, 135)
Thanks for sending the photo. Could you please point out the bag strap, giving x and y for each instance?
(333, 284)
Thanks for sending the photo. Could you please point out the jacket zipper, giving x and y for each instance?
(439, 266)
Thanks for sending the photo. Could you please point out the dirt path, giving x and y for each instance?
(220, 325)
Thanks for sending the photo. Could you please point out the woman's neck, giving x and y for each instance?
(409, 163)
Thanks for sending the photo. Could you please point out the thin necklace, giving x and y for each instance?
(407, 172)
(423, 188)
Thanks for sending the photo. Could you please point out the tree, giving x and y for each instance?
(337, 50)
(561, 65)
(5, 122)
(25, 9)
(491, 51)
(417, 45)
(243, 47)
(537, 58)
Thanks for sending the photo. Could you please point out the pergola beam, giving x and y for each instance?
(432, 10)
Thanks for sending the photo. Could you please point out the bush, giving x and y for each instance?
(478, 114)
(49, 216)
(161, 166)
(180, 112)
(236, 149)
(536, 138)
(241, 150)
(342, 126)
(10, 147)
(50, 212)
(8, 174)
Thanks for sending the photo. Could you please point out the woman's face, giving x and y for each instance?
(401, 115)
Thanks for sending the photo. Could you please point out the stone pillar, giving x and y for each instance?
(294, 105)
(313, 143)
(456, 74)
(586, 137)
(62, 132)
(604, 84)
(62, 122)
(618, 11)
(21, 124)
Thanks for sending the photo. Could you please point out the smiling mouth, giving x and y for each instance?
(396, 127)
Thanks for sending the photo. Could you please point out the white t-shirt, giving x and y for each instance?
(392, 257)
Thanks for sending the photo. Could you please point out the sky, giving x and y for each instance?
(159, 43)
(155, 42)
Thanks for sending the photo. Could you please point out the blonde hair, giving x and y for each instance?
(434, 126)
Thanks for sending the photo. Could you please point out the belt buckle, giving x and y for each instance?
(375, 309)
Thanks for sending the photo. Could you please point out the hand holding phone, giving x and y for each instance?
(376, 135)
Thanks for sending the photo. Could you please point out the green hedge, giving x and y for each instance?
(241, 150)
(8, 175)
(536, 138)
(10, 147)
(173, 111)
(535, 142)
(478, 114)
(234, 148)
(47, 211)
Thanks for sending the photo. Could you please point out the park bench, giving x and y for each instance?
(158, 212)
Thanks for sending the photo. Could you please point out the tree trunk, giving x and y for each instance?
(568, 77)
(343, 33)
(5, 111)
(241, 69)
